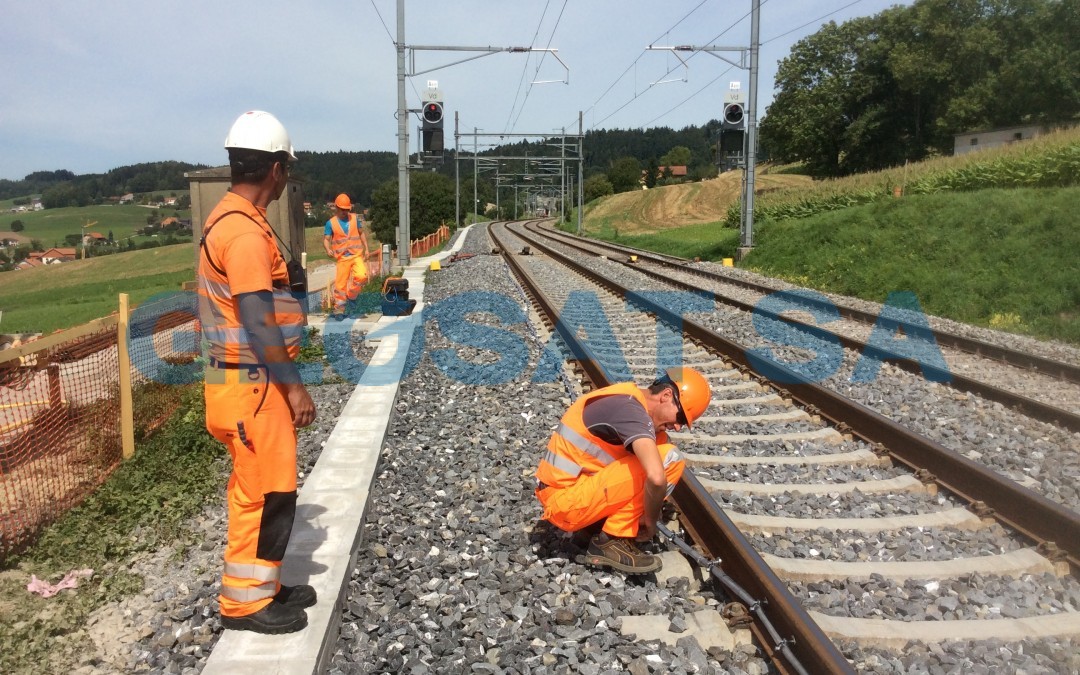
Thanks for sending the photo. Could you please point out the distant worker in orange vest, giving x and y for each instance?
(255, 399)
(345, 241)
(609, 464)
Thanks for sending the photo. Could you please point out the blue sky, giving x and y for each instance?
(89, 87)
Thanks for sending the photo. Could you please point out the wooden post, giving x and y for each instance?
(127, 411)
(56, 395)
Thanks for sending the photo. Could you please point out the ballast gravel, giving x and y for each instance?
(456, 573)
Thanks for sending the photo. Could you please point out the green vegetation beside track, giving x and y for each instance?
(1005, 259)
(50, 226)
(61, 296)
(147, 503)
(1000, 258)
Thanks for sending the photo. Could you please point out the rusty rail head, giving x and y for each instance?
(715, 532)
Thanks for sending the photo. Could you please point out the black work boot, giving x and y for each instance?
(273, 619)
(297, 597)
(621, 554)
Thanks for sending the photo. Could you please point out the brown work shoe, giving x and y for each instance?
(621, 554)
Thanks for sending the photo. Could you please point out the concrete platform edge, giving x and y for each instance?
(328, 565)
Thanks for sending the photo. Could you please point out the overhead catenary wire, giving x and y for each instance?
(643, 52)
(670, 70)
(382, 21)
(539, 63)
(714, 80)
(525, 68)
(394, 42)
(813, 21)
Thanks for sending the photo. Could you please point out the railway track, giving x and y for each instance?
(837, 519)
(1039, 386)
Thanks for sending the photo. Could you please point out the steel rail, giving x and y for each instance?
(1033, 515)
(1035, 409)
(802, 640)
(1066, 371)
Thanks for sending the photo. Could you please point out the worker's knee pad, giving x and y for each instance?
(278, 513)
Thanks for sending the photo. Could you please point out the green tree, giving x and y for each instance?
(878, 90)
(597, 186)
(431, 203)
(625, 174)
(17, 226)
(677, 156)
(485, 194)
(651, 170)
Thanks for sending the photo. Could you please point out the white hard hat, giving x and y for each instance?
(259, 130)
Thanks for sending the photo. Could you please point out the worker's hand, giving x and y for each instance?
(303, 408)
(646, 529)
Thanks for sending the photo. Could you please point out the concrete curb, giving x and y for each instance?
(333, 503)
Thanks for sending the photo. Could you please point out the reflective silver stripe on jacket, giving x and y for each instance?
(251, 571)
(584, 444)
(562, 464)
(260, 592)
(671, 457)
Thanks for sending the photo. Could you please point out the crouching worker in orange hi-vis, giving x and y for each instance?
(345, 241)
(255, 399)
(609, 462)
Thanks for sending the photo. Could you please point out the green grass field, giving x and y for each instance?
(51, 225)
(60, 296)
(1000, 258)
(708, 241)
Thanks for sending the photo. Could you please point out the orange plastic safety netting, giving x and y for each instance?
(60, 413)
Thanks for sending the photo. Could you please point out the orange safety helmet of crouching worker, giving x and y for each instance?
(343, 202)
(692, 392)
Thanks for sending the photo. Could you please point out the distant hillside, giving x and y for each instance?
(64, 188)
(359, 173)
(669, 206)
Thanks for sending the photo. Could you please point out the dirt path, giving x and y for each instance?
(684, 204)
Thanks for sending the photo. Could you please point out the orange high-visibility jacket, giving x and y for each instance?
(574, 450)
(346, 244)
(219, 311)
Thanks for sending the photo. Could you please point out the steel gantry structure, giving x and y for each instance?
(406, 67)
(751, 53)
(540, 173)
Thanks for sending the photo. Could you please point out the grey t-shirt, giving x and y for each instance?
(618, 419)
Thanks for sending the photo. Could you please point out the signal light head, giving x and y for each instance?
(733, 113)
(433, 112)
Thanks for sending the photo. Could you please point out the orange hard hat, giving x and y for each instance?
(692, 389)
(343, 202)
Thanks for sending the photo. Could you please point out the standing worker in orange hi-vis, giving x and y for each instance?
(255, 399)
(345, 242)
(609, 464)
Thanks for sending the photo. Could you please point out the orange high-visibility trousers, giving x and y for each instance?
(350, 276)
(615, 493)
(253, 419)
